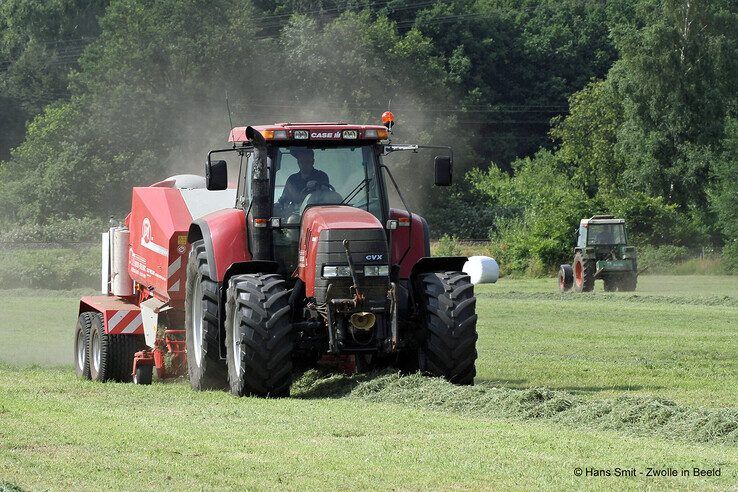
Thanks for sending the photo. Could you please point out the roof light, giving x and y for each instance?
(371, 133)
(275, 134)
(350, 134)
(261, 222)
(403, 221)
(301, 134)
(388, 117)
(382, 134)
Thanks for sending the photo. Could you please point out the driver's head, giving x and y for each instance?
(305, 158)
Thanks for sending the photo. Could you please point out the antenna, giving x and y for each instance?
(228, 107)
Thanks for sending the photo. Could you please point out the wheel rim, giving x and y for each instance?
(578, 272)
(561, 280)
(80, 342)
(237, 346)
(96, 356)
(197, 322)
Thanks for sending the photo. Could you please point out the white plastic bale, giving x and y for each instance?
(122, 284)
(482, 269)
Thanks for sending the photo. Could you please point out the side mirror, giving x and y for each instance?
(444, 170)
(216, 175)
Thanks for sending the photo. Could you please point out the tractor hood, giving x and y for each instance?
(323, 230)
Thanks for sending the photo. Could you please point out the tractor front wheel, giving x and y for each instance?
(206, 369)
(566, 278)
(584, 274)
(449, 340)
(259, 336)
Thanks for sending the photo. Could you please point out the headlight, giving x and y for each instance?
(376, 271)
(336, 271)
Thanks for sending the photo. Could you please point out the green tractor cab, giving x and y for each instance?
(602, 252)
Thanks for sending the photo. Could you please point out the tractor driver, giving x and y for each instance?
(295, 189)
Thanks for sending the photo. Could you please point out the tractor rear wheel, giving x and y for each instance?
(628, 282)
(584, 272)
(82, 345)
(448, 347)
(202, 305)
(611, 283)
(111, 356)
(566, 278)
(259, 336)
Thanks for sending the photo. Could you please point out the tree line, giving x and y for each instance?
(556, 109)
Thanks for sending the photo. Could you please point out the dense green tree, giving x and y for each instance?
(40, 41)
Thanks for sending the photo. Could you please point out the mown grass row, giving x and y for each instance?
(631, 415)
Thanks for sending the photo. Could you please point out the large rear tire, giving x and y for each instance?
(259, 336)
(82, 345)
(206, 369)
(448, 347)
(111, 356)
(584, 274)
(629, 282)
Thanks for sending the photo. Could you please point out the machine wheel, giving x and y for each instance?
(82, 345)
(584, 272)
(111, 356)
(448, 348)
(144, 374)
(204, 365)
(566, 278)
(629, 282)
(259, 336)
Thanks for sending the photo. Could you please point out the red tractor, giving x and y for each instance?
(310, 264)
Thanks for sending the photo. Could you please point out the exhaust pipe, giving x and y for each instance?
(363, 321)
(260, 238)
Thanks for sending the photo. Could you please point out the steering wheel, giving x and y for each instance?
(309, 189)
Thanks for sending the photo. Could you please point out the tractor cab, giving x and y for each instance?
(601, 230)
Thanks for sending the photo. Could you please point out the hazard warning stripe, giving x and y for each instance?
(174, 267)
(125, 322)
(175, 270)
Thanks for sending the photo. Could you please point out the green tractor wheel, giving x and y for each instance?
(628, 283)
(566, 278)
(611, 283)
(584, 274)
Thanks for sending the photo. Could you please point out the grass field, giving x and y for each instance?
(603, 381)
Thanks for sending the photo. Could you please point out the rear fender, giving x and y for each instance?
(224, 235)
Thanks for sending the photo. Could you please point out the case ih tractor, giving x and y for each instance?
(602, 251)
(237, 279)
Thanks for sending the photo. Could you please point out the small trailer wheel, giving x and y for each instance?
(566, 278)
(144, 374)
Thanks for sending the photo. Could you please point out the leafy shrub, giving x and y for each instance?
(538, 212)
(448, 246)
(730, 257)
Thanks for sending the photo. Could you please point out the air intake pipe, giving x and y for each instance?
(260, 236)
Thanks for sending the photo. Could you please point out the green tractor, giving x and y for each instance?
(602, 251)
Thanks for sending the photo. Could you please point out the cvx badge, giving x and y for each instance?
(374, 257)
